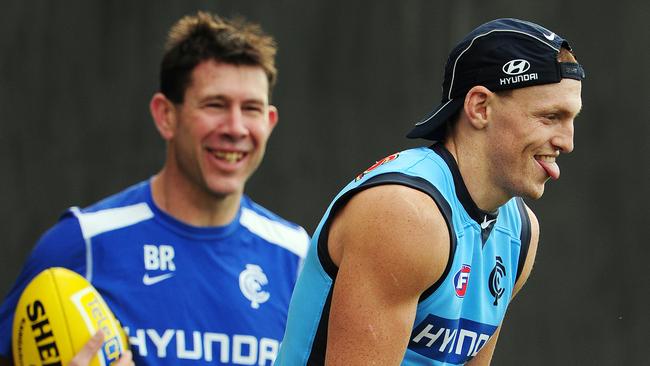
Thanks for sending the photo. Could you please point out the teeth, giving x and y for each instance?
(546, 158)
(230, 156)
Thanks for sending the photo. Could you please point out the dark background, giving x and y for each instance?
(76, 78)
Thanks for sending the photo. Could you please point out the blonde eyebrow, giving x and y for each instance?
(558, 109)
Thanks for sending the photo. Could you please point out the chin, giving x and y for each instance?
(222, 192)
(223, 189)
(533, 193)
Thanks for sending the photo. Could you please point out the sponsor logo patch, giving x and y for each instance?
(550, 36)
(385, 160)
(152, 280)
(191, 346)
(454, 341)
(461, 280)
(158, 258)
(94, 312)
(516, 67)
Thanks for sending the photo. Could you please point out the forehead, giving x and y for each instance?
(213, 78)
(565, 96)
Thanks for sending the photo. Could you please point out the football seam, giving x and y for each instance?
(65, 315)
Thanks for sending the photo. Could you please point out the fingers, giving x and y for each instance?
(126, 359)
(89, 350)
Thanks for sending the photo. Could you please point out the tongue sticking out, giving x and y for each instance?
(551, 168)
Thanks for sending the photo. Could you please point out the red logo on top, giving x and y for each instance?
(461, 280)
(377, 164)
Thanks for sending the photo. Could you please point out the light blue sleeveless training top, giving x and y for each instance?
(458, 314)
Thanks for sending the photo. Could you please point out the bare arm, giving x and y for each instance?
(390, 243)
(484, 357)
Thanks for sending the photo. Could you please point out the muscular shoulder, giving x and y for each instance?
(397, 230)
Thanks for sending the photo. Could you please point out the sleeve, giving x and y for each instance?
(61, 246)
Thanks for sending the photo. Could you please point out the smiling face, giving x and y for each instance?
(218, 134)
(530, 128)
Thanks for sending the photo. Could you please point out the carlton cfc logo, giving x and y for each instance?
(251, 281)
(498, 272)
(461, 280)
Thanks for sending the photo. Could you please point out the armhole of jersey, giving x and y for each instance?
(76, 212)
(390, 178)
(524, 235)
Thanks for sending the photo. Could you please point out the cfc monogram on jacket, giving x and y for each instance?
(456, 316)
(186, 295)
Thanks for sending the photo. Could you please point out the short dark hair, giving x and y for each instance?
(204, 36)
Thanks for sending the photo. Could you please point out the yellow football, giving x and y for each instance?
(56, 315)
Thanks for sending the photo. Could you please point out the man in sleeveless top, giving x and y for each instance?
(416, 260)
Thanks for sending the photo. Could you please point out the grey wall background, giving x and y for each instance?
(76, 77)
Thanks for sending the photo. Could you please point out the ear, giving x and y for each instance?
(476, 106)
(164, 115)
(273, 116)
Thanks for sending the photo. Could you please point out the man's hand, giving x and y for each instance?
(90, 350)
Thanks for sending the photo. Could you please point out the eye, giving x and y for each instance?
(253, 108)
(549, 118)
(217, 105)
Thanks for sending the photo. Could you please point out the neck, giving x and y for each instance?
(475, 172)
(189, 203)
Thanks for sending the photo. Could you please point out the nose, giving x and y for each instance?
(234, 125)
(563, 139)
